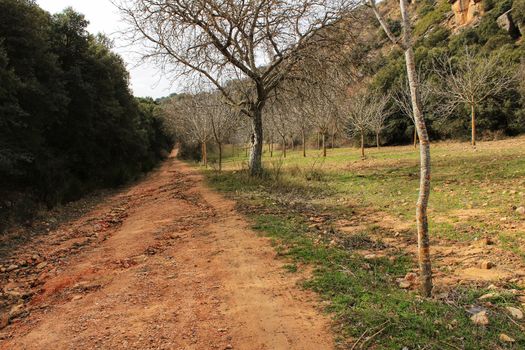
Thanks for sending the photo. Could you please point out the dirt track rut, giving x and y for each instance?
(182, 271)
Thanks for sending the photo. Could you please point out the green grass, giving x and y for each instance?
(364, 298)
(471, 191)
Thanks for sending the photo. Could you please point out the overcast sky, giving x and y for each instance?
(146, 80)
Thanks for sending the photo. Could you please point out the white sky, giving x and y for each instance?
(103, 17)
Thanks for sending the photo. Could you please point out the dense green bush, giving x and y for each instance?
(68, 121)
(518, 12)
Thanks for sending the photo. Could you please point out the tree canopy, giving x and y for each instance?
(68, 120)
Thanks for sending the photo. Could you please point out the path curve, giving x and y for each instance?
(183, 271)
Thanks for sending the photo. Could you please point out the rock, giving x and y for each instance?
(4, 320)
(466, 11)
(487, 296)
(404, 284)
(41, 265)
(486, 241)
(520, 210)
(229, 346)
(370, 256)
(411, 277)
(16, 311)
(506, 339)
(481, 318)
(486, 265)
(515, 312)
(11, 267)
(506, 23)
(76, 297)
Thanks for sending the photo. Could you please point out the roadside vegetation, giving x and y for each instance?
(307, 205)
(68, 121)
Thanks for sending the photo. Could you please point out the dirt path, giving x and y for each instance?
(180, 270)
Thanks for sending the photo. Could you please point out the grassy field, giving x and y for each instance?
(301, 202)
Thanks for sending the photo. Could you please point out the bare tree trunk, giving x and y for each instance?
(377, 140)
(271, 147)
(473, 115)
(255, 161)
(362, 145)
(304, 143)
(220, 156)
(425, 265)
(284, 147)
(318, 140)
(205, 154)
(324, 144)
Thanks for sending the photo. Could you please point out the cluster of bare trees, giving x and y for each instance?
(202, 118)
(366, 112)
(262, 56)
(259, 43)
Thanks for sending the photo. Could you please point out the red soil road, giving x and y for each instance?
(183, 271)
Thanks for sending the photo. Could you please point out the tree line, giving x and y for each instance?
(68, 120)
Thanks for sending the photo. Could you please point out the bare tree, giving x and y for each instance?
(278, 113)
(402, 98)
(364, 112)
(269, 131)
(379, 114)
(472, 80)
(406, 44)
(320, 98)
(358, 116)
(255, 42)
(192, 121)
(224, 121)
(302, 122)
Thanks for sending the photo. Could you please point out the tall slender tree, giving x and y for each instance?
(405, 42)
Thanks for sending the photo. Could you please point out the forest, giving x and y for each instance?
(68, 121)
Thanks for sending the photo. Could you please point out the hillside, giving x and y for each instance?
(448, 29)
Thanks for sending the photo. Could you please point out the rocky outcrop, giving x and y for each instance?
(506, 23)
(466, 12)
